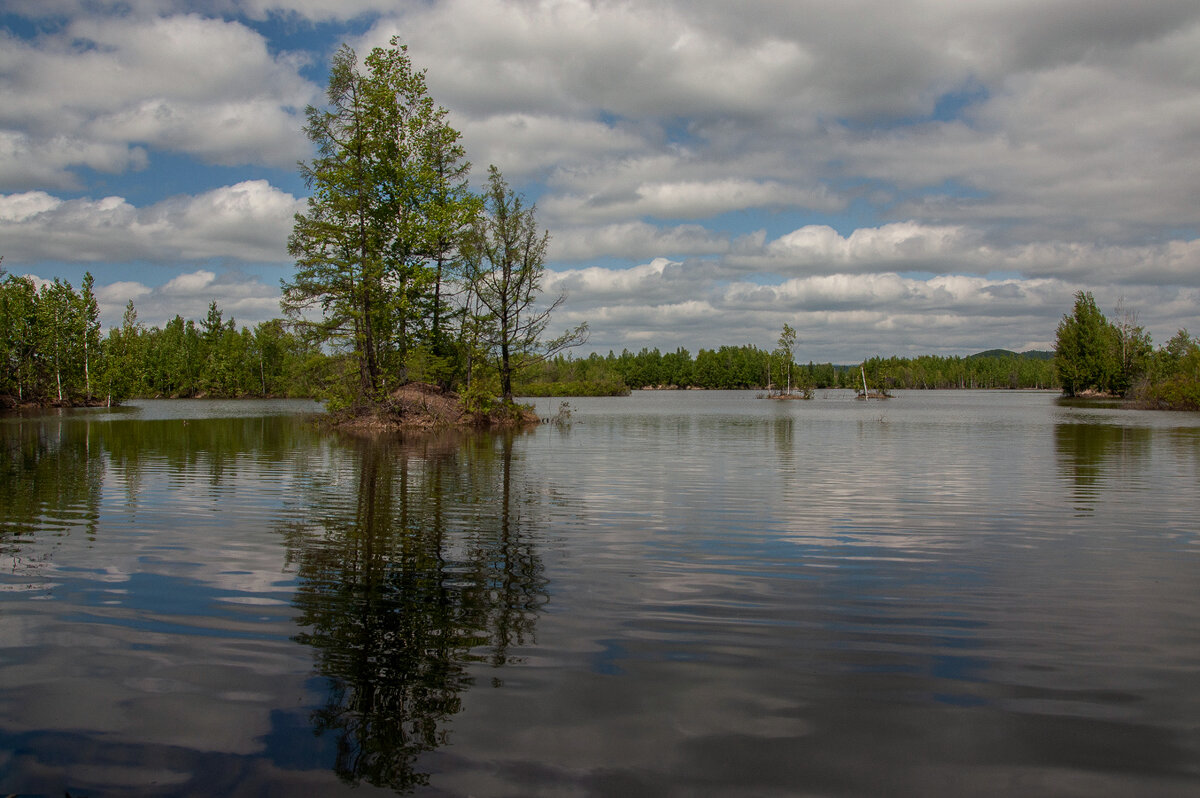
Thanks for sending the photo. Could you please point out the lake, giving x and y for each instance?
(674, 594)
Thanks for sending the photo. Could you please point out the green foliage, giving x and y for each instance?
(19, 349)
(782, 362)
(480, 395)
(336, 385)
(505, 255)
(434, 364)
(389, 203)
(1178, 393)
(124, 375)
(1008, 370)
(49, 341)
(89, 333)
(1093, 354)
(1085, 348)
(183, 358)
(1176, 375)
(398, 265)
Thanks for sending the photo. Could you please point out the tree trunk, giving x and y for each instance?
(505, 373)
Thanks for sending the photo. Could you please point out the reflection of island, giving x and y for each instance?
(1091, 456)
(429, 567)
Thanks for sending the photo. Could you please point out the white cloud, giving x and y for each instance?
(95, 92)
(596, 286)
(941, 249)
(636, 240)
(838, 317)
(900, 244)
(17, 208)
(113, 296)
(31, 162)
(524, 144)
(244, 298)
(693, 199)
(1079, 115)
(184, 285)
(249, 221)
(654, 58)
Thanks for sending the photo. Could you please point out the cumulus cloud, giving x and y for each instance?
(938, 249)
(249, 221)
(845, 93)
(241, 297)
(908, 245)
(636, 240)
(527, 144)
(101, 89)
(29, 161)
(686, 200)
(841, 317)
(114, 296)
(632, 59)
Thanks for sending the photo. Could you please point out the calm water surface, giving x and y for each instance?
(678, 594)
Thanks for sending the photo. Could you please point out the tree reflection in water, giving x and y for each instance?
(1091, 457)
(429, 570)
(51, 473)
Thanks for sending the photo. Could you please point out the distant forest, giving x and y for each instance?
(749, 367)
(53, 352)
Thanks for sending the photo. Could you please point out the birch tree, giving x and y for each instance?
(89, 321)
(787, 351)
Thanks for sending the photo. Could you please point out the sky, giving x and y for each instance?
(889, 178)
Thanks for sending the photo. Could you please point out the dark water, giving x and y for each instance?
(951, 593)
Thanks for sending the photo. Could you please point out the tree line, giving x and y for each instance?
(53, 351)
(1094, 355)
(750, 367)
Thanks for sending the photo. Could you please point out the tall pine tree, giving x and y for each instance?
(388, 202)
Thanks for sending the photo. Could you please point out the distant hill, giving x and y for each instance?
(1032, 354)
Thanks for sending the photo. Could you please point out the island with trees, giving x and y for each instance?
(1098, 357)
(401, 269)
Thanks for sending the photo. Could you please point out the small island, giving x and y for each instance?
(422, 285)
(420, 406)
(785, 354)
